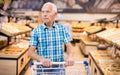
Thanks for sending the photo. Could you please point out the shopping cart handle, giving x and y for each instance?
(31, 63)
(40, 63)
(76, 62)
(85, 63)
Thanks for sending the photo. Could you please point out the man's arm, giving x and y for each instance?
(70, 52)
(33, 55)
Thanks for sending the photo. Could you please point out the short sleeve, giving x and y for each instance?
(67, 37)
(34, 38)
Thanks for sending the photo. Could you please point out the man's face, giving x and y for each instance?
(48, 16)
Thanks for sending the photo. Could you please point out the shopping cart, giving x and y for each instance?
(80, 68)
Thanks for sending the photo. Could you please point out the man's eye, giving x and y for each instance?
(48, 11)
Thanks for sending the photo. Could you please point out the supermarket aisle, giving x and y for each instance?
(77, 57)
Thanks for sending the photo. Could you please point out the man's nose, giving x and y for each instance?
(45, 13)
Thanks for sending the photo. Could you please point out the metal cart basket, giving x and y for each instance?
(80, 68)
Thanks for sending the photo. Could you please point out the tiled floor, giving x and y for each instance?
(77, 57)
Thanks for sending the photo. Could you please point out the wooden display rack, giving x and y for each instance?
(100, 61)
(14, 63)
(86, 44)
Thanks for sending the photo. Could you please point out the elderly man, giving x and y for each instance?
(48, 38)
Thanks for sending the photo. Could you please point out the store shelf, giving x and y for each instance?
(93, 29)
(86, 45)
(100, 62)
(111, 36)
(17, 57)
(12, 29)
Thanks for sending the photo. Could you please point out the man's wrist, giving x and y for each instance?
(40, 58)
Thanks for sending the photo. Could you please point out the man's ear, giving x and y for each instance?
(56, 13)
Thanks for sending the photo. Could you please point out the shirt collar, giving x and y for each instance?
(53, 26)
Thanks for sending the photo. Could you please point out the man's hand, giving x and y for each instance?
(69, 62)
(46, 62)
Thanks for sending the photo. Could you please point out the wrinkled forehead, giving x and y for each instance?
(47, 7)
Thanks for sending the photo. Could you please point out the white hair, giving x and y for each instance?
(54, 7)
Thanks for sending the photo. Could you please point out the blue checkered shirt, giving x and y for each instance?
(49, 41)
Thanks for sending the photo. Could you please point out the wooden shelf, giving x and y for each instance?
(13, 59)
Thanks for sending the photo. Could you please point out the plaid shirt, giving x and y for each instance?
(49, 41)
